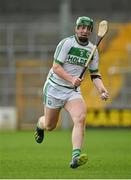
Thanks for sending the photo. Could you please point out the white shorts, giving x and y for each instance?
(55, 98)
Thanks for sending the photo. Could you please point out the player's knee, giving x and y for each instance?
(82, 117)
(80, 120)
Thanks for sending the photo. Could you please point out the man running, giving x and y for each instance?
(69, 59)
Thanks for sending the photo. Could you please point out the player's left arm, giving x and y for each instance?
(97, 81)
(96, 77)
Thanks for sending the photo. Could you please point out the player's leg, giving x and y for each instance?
(52, 108)
(47, 122)
(77, 110)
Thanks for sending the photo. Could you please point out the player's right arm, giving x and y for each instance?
(59, 70)
(59, 59)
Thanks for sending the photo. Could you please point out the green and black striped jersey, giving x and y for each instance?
(72, 57)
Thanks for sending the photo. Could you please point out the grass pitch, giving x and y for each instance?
(109, 153)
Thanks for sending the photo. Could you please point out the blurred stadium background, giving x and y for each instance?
(29, 33)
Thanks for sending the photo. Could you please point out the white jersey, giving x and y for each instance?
(72, 56)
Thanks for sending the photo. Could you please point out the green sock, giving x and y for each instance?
(75, 153)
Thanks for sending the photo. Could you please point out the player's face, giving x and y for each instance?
(83, 32)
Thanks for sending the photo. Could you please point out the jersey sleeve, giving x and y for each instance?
(93, 65)
(62, 50)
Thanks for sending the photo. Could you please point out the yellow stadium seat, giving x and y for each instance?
(126, 118)
(114, 118)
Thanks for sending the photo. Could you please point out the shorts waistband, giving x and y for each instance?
(61, 85)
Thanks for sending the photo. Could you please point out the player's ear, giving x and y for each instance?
(76, 29)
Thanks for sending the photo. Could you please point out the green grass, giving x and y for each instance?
(109, 153)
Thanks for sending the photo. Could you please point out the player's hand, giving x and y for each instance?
(104, 95)
(76, 81)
